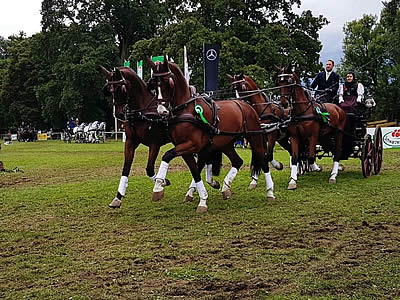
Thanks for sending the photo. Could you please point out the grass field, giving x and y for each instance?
(59, 239)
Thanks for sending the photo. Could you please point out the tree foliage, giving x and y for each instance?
(371, 49)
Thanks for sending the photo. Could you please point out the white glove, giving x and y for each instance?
(341, 99)
(359, 98)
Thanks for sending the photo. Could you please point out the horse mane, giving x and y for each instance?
(129, 73)
(174, 68)
(251, 82)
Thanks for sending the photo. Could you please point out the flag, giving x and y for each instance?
(156, 60)
(139, 66)
(211, 59)
(127, 63)
(186, 65)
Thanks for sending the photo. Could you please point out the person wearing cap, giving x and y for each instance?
(327, 82)
(351, 94)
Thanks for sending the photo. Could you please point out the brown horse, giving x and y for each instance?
(268, 111)
(197, 124)
(310, 123)
(136, 107)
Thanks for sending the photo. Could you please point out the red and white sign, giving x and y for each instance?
(390, 136)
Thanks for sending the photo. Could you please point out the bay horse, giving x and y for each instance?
(268, 111)
(198, 124)
(135, 107)
(310, 123)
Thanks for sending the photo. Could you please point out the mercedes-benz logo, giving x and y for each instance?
(211, 54)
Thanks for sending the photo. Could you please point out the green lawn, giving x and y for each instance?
(59, 239)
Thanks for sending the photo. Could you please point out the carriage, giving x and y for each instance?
(357, 143)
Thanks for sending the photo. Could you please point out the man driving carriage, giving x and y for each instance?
(327, 83)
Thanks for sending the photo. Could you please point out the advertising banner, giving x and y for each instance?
(211, 60)
(390, 136)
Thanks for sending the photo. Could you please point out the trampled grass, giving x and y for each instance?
(59, 239)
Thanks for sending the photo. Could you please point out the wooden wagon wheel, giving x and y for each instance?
(378, 150)
(367, 155)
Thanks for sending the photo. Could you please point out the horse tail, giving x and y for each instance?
(216, 162)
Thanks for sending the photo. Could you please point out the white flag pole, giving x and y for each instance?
(186, 65)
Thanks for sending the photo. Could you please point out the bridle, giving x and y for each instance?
(164, 107)
(111, 86)
(291, 96)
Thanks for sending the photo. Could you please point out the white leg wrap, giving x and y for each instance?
(255, 178)
(202, 193)
(268, 181)
(274, 163)
(335, 168)
(290, 161)
(293, 173)
(153, 178)
(123, 184)
(229, 179)
(192, 189)
(208, 173)
(162, 171)
(314, 167)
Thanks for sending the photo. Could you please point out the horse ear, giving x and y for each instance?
(230, 77)
(171, 83)
(105, 72)
(166, 62)
(152, 64)
(277, 68)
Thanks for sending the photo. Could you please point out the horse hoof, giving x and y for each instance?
(215, 184)
(320, 169)
(332, 180)
(201, 209)
(226, 194)
(271, 198)
(279, 167)
(292, 186)
(166, 182)
(188, 198)
(116, 203)
(252, 186)
(341, 167)
(157, 196)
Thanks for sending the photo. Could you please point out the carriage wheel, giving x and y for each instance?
(367, 156)
(378, 150)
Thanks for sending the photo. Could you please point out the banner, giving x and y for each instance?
(42, 136)
(390, 136)
(211, 59)
(140, 69)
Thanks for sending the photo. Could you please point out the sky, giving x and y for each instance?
(24, 15)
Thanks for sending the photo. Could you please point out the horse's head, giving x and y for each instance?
(169, 84)
(286, 81)
(118, 87)
(242, 84)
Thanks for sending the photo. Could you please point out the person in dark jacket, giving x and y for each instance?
(327, 83)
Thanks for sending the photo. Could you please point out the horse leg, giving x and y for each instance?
(158, 190)
(213, 163)
(154, 150)
(336, 157)
(129, 151)
(237, 162)
(294, 142)
(191, 163)
(272, 137)
(313, 167)
(259, 160)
